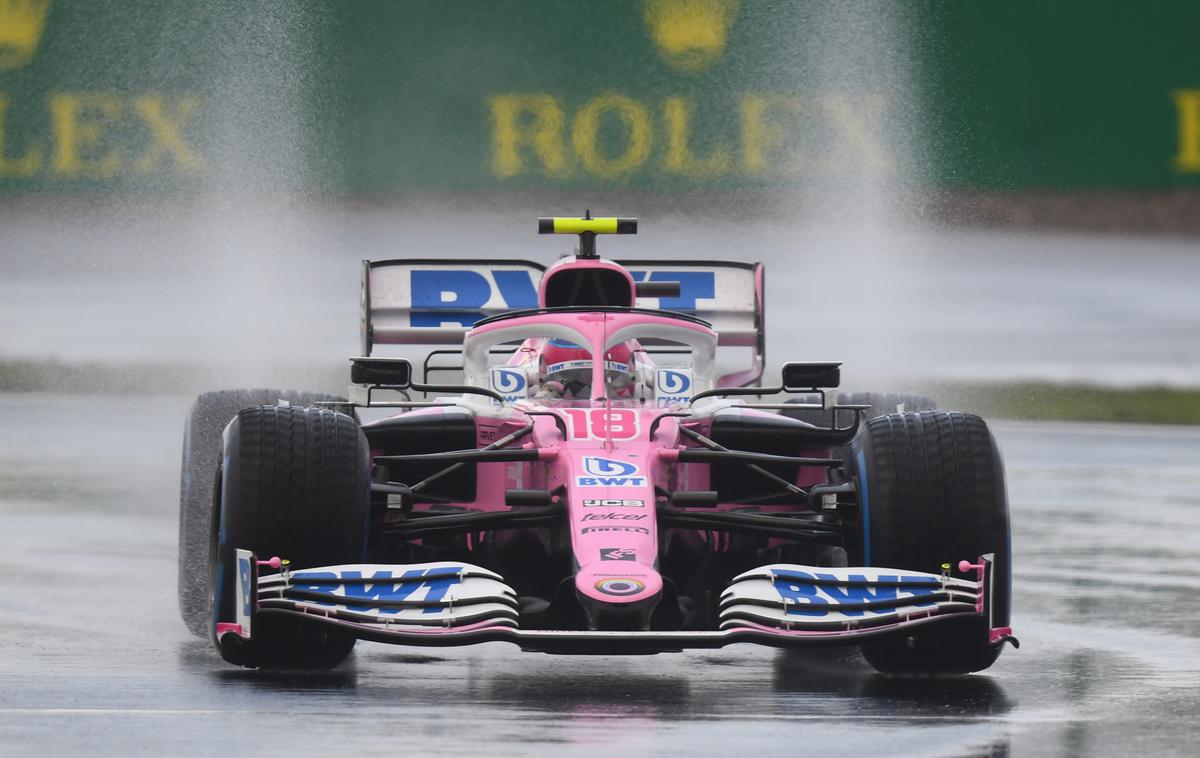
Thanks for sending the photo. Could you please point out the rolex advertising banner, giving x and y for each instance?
(373, 96)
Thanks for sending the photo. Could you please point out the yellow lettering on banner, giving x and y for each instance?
(167, 131)
(859, 130)
(21, 167)
(763, 131)
(1187, 104)
(639, 135)
(535, 121)
(612, 136)
(679, 159)
(78, 121)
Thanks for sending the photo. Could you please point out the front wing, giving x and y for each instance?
(451, 603)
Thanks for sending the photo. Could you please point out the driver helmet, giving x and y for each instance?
(567, 368)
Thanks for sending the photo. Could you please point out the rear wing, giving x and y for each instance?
(435, 301)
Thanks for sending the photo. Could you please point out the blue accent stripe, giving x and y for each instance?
(1008, 561)
(864, 507)
(217, 594)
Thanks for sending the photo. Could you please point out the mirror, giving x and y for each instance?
(811, 376)
(390, 372)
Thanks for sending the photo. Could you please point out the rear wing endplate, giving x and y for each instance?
(435, 301)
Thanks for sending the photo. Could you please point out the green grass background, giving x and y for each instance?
(1031, 400)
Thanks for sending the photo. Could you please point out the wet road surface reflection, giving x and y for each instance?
(96, 660)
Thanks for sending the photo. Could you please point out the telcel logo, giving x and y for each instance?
(605, 472)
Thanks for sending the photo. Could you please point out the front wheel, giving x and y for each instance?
(294, 483)
(931, 491)
(207, 419)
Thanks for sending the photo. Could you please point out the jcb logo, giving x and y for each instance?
(606, 503)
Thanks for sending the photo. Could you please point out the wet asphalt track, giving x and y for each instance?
(94, 659)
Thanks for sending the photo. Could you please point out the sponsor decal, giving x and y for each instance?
(605, 472)
(673, 385)
(635, 529)
(458, 296)
(247, 590)
(455, 296)
(806, 599)
(510, 382)
(608, 503)
(603, 423)
(576, 365)
(435, 583)
(620, 586)
(613, 516)
(618, 554)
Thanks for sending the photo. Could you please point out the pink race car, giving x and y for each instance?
(594, 482)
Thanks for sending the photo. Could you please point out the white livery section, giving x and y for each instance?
(786, 596)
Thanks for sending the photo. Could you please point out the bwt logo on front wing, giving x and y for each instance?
(806, 598)
(605, 472)
(408, 586)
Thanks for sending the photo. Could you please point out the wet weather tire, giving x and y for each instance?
(931, 488)
(295, 483)
(207, 419)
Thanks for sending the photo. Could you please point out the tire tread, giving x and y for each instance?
(937, 495)
(200, 458)
(296, 486)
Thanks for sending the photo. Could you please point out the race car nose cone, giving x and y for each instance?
(618, 594)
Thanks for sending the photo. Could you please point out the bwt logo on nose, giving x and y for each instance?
(607, 467)
(605, 472)
(449, 296)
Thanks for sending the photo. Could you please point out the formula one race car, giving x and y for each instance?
(593, 485)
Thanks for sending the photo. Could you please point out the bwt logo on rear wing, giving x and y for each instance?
(434, 302)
